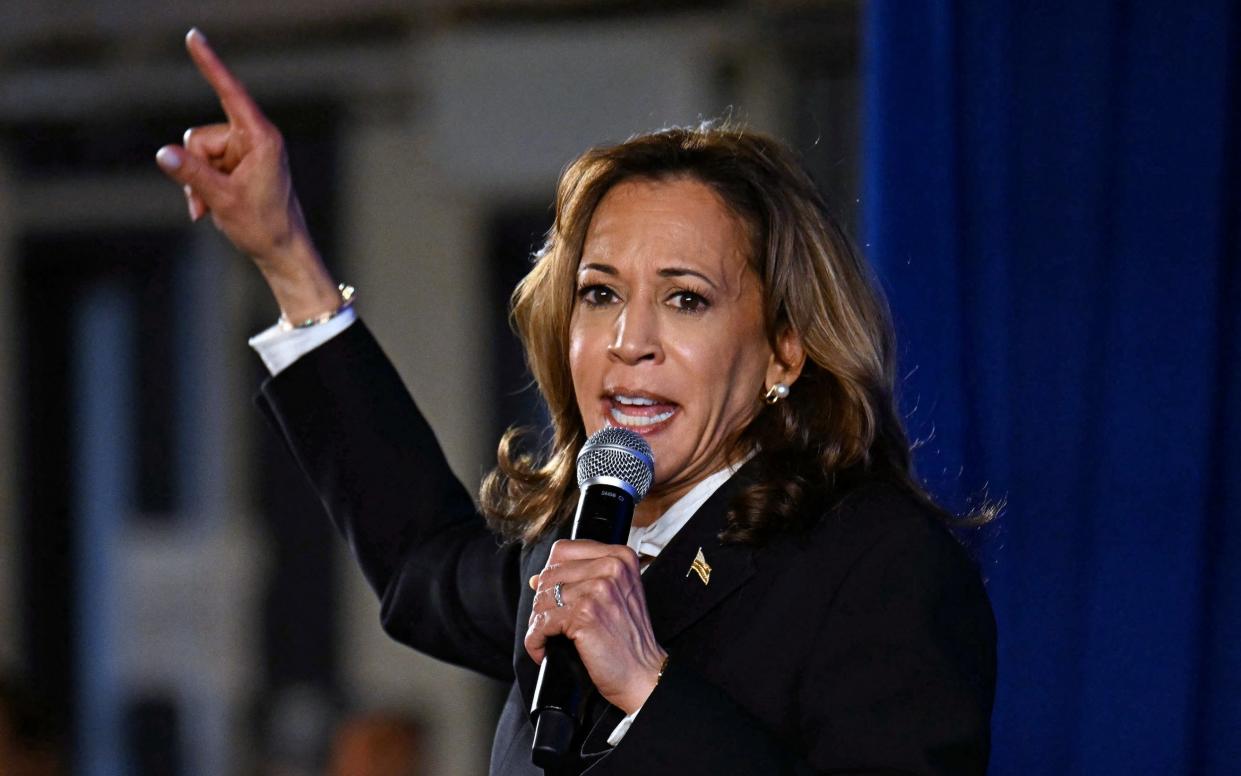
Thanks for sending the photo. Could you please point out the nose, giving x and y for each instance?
(637, 336)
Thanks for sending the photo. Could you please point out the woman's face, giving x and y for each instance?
(667, 336)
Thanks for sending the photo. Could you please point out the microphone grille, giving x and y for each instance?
(619, 453)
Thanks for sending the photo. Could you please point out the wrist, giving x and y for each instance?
(301, 285)
(347, 296)
(650, 681)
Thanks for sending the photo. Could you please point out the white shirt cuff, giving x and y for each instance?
(280, 348)
(621, 729)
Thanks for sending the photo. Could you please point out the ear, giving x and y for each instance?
(787, 359)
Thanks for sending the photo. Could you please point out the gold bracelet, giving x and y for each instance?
(347, 296)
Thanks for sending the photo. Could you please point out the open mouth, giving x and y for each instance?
(637, 411)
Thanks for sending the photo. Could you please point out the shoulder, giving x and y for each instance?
(880, 512)
(881, 546)
(905, 636)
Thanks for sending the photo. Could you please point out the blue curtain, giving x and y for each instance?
(1052, 197)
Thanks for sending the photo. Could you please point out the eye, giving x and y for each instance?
(687, 301)
(596, 295)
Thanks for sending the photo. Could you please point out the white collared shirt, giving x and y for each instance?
(281, 347)
(652, 539)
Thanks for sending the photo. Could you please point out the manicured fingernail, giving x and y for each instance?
(168, 158)
(195, 207)
(194, 31)
(534, 582)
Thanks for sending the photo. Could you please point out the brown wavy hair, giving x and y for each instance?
(840, 422)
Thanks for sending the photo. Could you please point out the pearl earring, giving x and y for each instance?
(775, 393)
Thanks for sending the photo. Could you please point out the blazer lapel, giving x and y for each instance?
(695, 572)
(679, 590)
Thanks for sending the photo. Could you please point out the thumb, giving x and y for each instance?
(188, 170)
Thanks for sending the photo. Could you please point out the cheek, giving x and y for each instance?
(583, 365)
(575, 367)
(575, 355)
(718, 374)
(736, 376)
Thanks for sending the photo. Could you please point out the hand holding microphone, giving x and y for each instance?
(589, 619)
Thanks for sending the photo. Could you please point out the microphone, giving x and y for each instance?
(614, 471)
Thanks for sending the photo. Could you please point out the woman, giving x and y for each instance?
(806, 609)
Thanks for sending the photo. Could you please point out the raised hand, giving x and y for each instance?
(237, 172)
(604, 614)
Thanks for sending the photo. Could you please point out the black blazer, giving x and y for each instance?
(863, 645)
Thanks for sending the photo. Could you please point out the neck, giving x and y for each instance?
(660, 499)
(650, 508)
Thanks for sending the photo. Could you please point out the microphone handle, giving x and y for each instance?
(604, 514)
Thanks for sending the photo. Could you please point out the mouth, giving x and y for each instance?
(639, 411)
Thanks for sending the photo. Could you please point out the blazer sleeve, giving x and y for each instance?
(447, 586)
(901, 679)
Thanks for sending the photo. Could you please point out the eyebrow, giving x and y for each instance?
(667, 272)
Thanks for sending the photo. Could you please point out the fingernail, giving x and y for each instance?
(534, 582)
(168, 158)
(194, 31)
(193, 204)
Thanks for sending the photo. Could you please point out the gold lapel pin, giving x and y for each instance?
(700, 567)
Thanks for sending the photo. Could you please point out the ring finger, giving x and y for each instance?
(551, 597)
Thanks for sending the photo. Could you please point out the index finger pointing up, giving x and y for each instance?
(238, 105)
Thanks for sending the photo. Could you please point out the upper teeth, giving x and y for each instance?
(638, 400)
(639, 420)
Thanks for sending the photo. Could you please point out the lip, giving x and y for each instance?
(643, 419)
